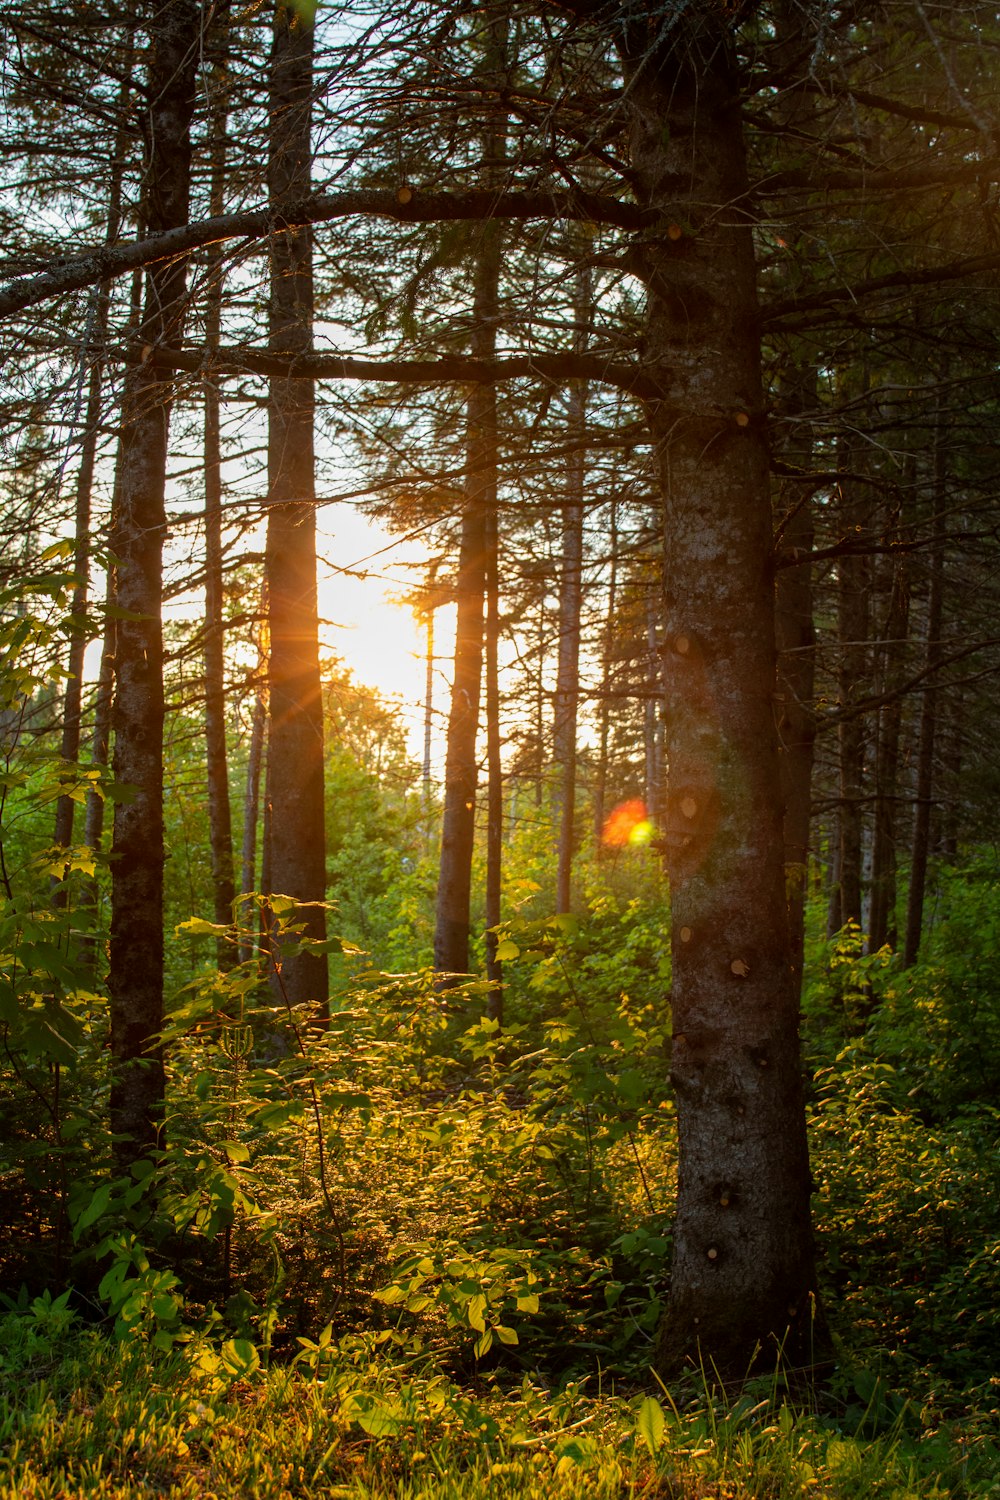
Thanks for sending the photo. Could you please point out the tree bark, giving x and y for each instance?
(139, 526)
(567, 697)
(882, 920)
(296, 836)
(494, 767)
(853, 668)
(220, 824)
(478, 542)
(920, 851)
(607, 657)
(743, 1278)
(95, 336)
(451, 932)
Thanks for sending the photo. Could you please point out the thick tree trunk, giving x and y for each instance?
(742, 1277)
(297, 844)
(136, 950)
(220, 825)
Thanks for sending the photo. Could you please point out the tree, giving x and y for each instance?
(297, 856)
(135, 979)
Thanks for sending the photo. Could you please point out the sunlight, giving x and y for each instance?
(366, 620)
(627, 824)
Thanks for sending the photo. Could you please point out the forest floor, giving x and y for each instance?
(84, 1416)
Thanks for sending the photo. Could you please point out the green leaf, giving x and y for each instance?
(198, 927)
(380, 1421)
(271, 1116)
(506, 951)
(474, 1312)
(529, 1303)
(240, 1358)
(506, 1335)
(236, 1151)
(390, 1295)
(651, 1424)
(94, 1209)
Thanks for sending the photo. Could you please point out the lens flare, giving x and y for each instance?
(627, 824)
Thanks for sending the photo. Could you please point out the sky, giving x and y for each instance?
(375, 634)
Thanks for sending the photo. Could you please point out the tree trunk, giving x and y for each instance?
(567, 698)
(451, 934)
(742, 1277)
(796, 642)
(428, 723)
(882, 922)
(248, 913)
(607, 656)
(136, 949)
(452, 920)
(494, 768)
(653, 727)
(920, 853)
(853, 680)
(297, 844)
(220, 826)
(795, 31)
(96, 336)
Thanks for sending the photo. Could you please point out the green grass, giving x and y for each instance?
(84, 1416)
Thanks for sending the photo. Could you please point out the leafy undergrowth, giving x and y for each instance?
(84, 1415)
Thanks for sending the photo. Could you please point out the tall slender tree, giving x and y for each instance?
(135, 980)
(295, 821)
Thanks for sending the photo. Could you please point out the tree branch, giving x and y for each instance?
(104, 264)
(444, 368)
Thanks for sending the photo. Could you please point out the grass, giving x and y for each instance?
(84, 1416)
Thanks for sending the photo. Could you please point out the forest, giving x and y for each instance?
(580, 1075)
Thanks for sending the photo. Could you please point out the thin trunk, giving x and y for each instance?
(479, 533)
(607, 656)
(567, 698)
(920, 852)
(96, 336)
(296, 838)
(882, 922)
(494, 771)
(428, 722)
(743, 1279)
(652, 717)
(795, 30)
(952, 757)
(139, 528)
(451, 933)
(251, 816)
(796, 642)
(853, 667)
(100, 742)
(220, 825)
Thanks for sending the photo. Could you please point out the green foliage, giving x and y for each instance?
(81, 1416)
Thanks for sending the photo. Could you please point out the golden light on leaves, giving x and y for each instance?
(627, 824)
